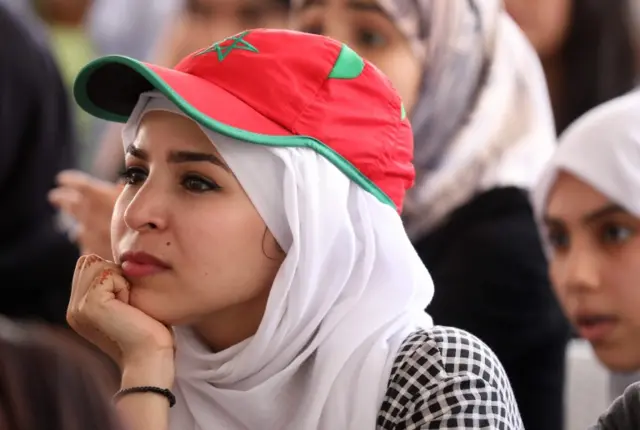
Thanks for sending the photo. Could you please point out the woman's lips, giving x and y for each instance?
(141, 264)
(596, 328)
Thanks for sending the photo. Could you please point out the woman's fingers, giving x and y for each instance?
(68, 200)
(121, 289)
(90, 315)
(78, 180)
(90, 266)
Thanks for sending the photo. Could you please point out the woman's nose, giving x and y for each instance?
(582, 271)
(148, 210)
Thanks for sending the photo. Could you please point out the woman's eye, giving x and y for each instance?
(312, 29)
(558, 239)
(616, 234)
(133, 176)
(198, 8)
(251, 14)
(371, 39)
(199, 184)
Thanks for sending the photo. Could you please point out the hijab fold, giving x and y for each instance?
(348, 293)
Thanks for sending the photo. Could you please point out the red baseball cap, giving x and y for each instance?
(275, 88)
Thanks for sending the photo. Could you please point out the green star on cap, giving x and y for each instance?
(237, 42)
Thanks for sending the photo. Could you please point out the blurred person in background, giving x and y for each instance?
(36, 259)
(483, 127)
(72, 47)
(588, 205)
(588, 49)
(49, 381)
(65, 21)
(90, 199)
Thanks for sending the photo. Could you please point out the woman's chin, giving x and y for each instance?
(156, 306)
(618, 360)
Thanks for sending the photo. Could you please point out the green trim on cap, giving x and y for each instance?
(349, 65)
(82, 98)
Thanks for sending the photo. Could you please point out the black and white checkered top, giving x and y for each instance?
(445, 378)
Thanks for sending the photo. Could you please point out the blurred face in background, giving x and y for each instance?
(595, 269)
(63, 12)
(205, 21)
(365, 27)
(545, 22)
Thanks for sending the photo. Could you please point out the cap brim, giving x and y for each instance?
(109, 88)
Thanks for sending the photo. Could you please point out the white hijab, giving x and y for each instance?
(348, 293)
(602, 149)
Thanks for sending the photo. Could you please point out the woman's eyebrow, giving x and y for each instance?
(189, 157)
(603, 212)
(180, 156)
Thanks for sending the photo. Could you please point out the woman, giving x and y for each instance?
(483, 128)
(50, 382)
(588, 49)
(280, 260)
(589, 52)
(589, 204)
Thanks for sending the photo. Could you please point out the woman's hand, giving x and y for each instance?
(99, 311)
(89, 201)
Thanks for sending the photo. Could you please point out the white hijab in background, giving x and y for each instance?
(483, 119)
(602, 149)
(348, 293)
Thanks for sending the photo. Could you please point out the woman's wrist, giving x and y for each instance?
(145, 409)
(152, 369)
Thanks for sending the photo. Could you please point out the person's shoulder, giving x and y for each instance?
(447, 376)
(624, 413)
(435, 355)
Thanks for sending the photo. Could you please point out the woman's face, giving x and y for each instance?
(545, 22)
(182, 205)
(364, 26)
(595, 269)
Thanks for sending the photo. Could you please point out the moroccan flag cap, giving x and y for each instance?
(275, 88)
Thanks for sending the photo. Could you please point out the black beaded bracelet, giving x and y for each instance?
(162, 391)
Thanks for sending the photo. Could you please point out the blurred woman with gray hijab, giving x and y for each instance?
(484, 129)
